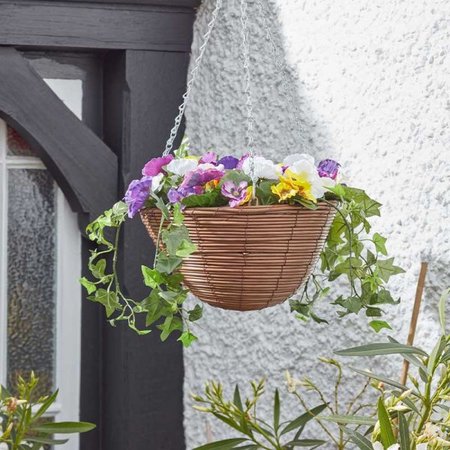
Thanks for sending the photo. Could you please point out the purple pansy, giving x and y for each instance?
(235, 193)
(328, 168)
(208, 158)
(228, 162)
(176, 195)
(155, 166)
(137, 194)
(200, 177)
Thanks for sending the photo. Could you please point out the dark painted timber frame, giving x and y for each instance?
(132, 387)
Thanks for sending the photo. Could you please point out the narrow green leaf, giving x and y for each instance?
(237, 398)
(382, 348)
(436, 354)
(357, 438)
(228, 421)
(409, 357)
(227, 444)
(382, 378)
(64, 427)
(349, 419)
(45, 405)
(303, 419)
(276, 410)
(442, 305)
(306, 443)
(45, 441)
(386, 431)
(405, 442)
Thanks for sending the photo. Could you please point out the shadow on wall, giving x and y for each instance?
(216, 118)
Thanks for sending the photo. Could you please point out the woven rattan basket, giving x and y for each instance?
(252, 257)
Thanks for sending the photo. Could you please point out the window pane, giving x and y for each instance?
(17, 146)
(31, 275)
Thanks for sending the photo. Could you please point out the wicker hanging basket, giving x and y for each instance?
(253, 257)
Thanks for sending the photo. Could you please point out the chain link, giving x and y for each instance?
(245, 47)
(283, 68)
(192, 78)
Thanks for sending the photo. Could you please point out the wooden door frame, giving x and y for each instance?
(132, 387)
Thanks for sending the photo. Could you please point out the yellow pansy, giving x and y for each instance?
(247, 197)
(292, 184)
(211, 185)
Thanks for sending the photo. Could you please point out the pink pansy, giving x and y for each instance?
(200, 177)
(241, 162)
(155, 166)
(209, 157)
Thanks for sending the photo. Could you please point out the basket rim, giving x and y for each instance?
(253, 208)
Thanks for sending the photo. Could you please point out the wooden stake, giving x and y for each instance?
(415, 317)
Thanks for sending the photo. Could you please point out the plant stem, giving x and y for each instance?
(302, 401)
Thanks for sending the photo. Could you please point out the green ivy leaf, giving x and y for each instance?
(380, 243)
(167, 264)
(187, 339)
(177, 215)
(90, 287)
(152, 278)
(196, 313)
(173, 239)
(379, 325)
(186, 249)
(171, 324)
(106, 298)
(386, 269)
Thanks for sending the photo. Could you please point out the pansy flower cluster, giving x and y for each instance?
(231, 181)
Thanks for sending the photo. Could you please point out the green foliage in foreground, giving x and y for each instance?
(415, 416)
(252, 432)
(23, 425)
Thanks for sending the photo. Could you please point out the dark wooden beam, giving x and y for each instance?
(170, 3)
(83, 166)
(88, 25)
(143, 377)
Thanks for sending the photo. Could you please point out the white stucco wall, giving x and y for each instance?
(372, 80)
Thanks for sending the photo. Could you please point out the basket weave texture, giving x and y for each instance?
(253, 257)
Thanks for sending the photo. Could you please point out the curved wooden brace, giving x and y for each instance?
(81, 163)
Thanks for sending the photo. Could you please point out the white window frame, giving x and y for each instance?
(68, 266)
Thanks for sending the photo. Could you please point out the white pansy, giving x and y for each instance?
(181, 166)
(422, 446)
(297, 157)
(157, 182)
(3, 446)
(304, 166)
(264, 168)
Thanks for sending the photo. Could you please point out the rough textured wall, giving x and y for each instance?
(371, 83)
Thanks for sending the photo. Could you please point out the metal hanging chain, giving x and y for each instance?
(245, 47)
(192, 78)
(282, 66)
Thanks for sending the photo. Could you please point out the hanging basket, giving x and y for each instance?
(250, 258)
